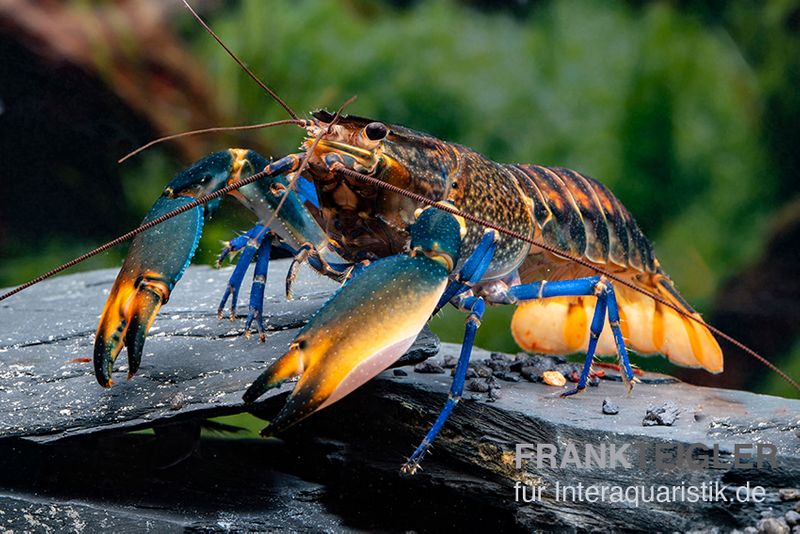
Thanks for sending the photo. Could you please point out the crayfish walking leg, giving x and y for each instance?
(596, 286)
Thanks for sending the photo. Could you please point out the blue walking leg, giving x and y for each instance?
(256, 310)
(237, 243)
(254, 239)
(613, 321)
(598, 321)
(473, 269)
(606, 303)
(476, 307)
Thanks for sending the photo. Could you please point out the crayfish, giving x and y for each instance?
(409, 224)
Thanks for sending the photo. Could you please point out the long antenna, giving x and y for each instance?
(217, 129)
(340, 169)
(244, 67)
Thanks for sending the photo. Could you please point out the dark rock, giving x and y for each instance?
(610, 408)
(792, 518)
(429, 367)
(507, 376)
(594, 381)
(772, 525)
(789, 494)
(350, 452)
(450, 362)
(663, 415)
(399, 372)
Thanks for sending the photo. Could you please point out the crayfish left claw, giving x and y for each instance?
(155, 262)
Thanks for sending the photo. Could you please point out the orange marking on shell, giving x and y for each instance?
(658, 327)
(576, 325)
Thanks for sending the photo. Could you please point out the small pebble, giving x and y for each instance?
(502, 357)
(594, 381)
(471, 373)
(553, 378)
(771, 525)
(450, 361)
(609, 408)
(177, 401)
(508, 376)
(530, 373)
(479, 385)
(483, 371)
(399, 372)
(664, 415)
(429, 367)
(789, 494)
(792, 518)
(496, 365)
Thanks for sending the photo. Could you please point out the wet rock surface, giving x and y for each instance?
(65, 460)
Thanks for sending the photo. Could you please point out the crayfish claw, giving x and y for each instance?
(129, 313)
(284, 368)
(145, 306)
(155, 262)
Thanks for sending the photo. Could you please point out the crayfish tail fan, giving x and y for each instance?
(651, 327)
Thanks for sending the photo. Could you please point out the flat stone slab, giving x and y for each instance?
(193, 364)
(322, 471)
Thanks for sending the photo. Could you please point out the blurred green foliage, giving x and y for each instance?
(680, 109)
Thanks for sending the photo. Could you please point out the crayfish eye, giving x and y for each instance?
(375, 131)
